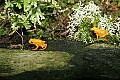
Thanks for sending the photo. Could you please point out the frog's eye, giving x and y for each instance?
(31, 42)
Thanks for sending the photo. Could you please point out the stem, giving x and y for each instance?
(21, 38)
(27, 16)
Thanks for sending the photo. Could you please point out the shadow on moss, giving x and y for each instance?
(87, 63)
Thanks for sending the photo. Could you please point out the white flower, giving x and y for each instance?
(80, 14)
(90, 12)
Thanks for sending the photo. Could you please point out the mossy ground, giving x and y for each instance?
(67, 61)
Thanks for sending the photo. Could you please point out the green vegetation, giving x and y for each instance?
(50, 19)
(87, 16)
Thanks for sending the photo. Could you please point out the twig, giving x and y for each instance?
(21, 37)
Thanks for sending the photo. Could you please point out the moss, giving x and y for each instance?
(94, 61)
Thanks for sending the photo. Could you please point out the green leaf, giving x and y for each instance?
(55, 4)
(18, 5)
(27, 25)
(26, 4)
(8, 4)
(75, 6)
(70, 1)
(119, 3)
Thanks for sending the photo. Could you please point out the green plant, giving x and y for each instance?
(4, 27)
(3, 31)
(84, 17)
(28, 14)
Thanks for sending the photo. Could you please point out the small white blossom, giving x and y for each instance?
(90, 11)
(77, 18)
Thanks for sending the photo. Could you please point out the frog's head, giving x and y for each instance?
(94, 29)
(32, 41)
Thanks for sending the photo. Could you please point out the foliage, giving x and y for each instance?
(3, 31)
(31, 12)
(87, 16)
(82, 20)
(34, 14)
(4, 27)
(61, 19)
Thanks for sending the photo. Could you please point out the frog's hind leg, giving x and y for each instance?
(36, 47)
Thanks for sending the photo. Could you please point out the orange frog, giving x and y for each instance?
(99, 33)
(38, 43)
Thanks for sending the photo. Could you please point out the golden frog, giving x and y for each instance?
(99, 33)
(38, 43)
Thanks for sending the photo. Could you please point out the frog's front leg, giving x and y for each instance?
(36, 47)
(44, 47)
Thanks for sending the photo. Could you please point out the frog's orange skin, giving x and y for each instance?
(38, 43)
(100, 33)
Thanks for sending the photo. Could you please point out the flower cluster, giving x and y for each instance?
(111, 26)
(87, 16)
